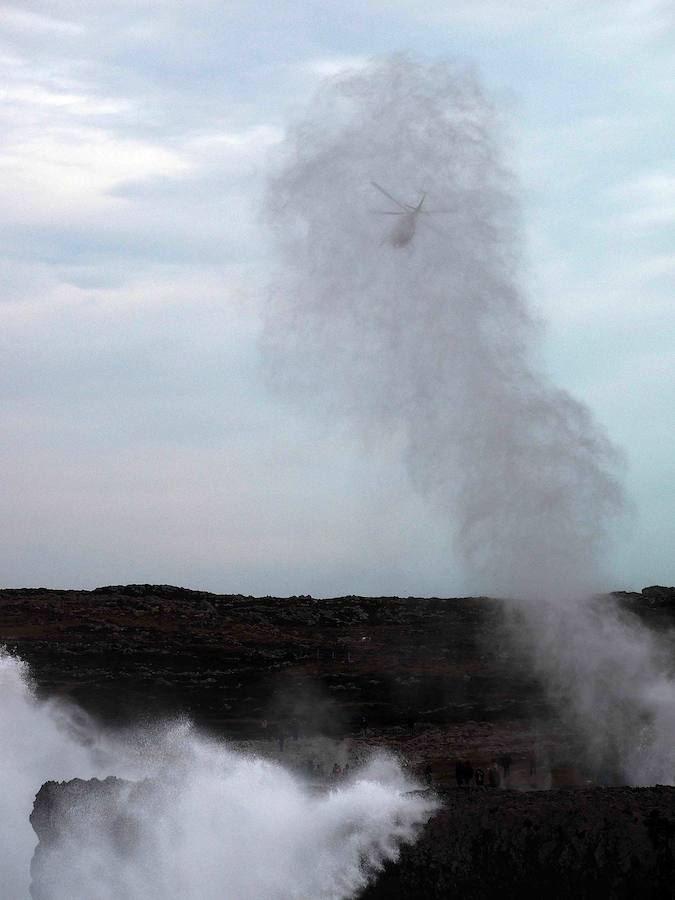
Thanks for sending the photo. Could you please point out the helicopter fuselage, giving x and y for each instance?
(404, 230)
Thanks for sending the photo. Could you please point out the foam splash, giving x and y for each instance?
(217, 824)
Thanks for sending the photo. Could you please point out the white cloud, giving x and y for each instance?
(69, 171)
(29, 95)
(657, 266)
(260, 137)
(327, 66)
(624, 295)
(26, 20)
(63, 151)
(604, 20)
(648, 200)
(232, 152)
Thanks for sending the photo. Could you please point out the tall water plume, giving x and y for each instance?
(431, 340)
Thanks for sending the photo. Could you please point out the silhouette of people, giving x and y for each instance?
(505, 761)
(427, 774)
(532, 762)
(479, 776)
(494, 778)
(281, 737)
(459, 772)
(463, 772)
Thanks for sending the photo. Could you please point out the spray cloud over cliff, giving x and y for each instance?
(426, 335)
(209, 824)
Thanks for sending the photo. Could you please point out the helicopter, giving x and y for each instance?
(404, 230)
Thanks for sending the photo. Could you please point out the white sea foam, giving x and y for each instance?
(218, 826)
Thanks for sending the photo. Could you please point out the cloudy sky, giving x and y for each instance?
(139, 441)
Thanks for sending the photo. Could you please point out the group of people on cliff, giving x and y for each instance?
(466, 774)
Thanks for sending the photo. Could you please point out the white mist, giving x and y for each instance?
(433, 342)
(217, 826)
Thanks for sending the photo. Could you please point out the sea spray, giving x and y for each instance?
(432, 341)
(211, 824)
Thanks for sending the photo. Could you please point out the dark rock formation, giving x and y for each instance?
(85, 828)
(230, 661)
(483, 844)
(560, 844)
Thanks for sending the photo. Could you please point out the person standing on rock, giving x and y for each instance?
(532, 761)
(468, 772)
(459, 772)
(494, 778)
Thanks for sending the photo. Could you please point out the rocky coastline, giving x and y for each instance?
(482, 844)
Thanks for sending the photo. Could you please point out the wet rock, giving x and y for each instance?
(222, 659)
(559, 844)
(481, 845)
(82, 825)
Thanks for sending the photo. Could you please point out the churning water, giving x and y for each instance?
(218, 825)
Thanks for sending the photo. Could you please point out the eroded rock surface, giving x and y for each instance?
(86, 828)
(225, 659)
(230, 661)
(482, 844)
(559, 844)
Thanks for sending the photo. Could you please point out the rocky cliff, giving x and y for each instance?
(227, 659)
(434, 678)
(559, 844)
(482, 844)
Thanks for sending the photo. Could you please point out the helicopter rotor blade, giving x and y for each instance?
(387, 194)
